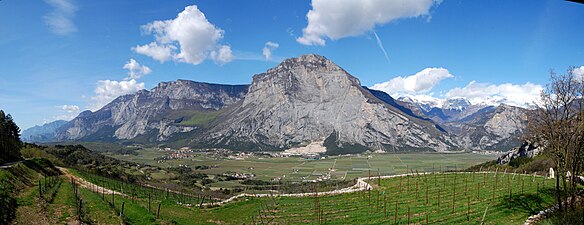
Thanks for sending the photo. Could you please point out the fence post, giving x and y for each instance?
(158, 212)
(40, 190)
(395, 213)
(408, 214)
(122, 212)
(468, 209)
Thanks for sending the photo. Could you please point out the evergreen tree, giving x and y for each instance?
(10, 143)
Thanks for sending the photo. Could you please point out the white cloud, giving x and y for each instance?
(108, 90)
(512, 94)
(421, 82)
(337, 19)
(70, 108)
(188, 38)
(223, 55)
(578, 73)
(162, 53)
(60, 20)
(268, 48)
(66, 112)
(136, 70)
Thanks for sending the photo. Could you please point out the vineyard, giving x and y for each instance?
(431, 198)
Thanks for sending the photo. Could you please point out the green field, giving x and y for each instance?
(296, 168)
(436, 198)
(441, 198)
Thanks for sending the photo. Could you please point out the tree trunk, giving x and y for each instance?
(558, 193)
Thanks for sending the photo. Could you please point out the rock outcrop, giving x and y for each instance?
(159, 113)
(303, 100)
(527, 149)
(309, 99)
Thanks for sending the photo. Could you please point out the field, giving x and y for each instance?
(297, 169)
(440, 198)
(434, 198)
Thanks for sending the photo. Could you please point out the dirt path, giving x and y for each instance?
(361, 185)
(88, 185)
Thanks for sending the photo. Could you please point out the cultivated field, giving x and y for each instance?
(440, 198)
(297, 169)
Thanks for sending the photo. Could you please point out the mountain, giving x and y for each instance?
(304, 101)
(477, 126)
(310, 99)
(155, 115)
(42, 133)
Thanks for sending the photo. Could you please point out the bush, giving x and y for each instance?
(571, 216)
(8, 204)
(516, 162)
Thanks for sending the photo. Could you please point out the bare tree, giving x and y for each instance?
(558, 125)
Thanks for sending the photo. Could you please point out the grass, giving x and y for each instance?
(97, 209)
(510, 200)
(62, 205)
(199, 118)
(297, 169)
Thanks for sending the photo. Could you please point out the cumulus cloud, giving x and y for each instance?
(268, 48)
(70, 108)
(188, 38)
(578, 73)
(136, 70)
(60, 19)
(337, 19)
(108, 90)
(512, 94)
(162, 53)
(66, 112)
(421, 82)
(223, 55)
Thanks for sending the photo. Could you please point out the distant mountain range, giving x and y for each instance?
(476, 126)
(42, 133)
(302, 101)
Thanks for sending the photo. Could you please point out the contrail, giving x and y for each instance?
(381, 45)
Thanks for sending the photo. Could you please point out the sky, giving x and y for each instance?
(61, 57)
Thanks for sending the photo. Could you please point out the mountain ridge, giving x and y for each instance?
(303, 100)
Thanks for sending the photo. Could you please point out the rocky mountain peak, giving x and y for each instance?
(303, 65)
(311, 99)
(459, 104)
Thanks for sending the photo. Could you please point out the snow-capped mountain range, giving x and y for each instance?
(486, 124)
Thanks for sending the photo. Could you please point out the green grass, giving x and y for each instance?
(194, 118)
(200, 118)
(97, 209)
(345, 167)
(474, 193)
(63, 203)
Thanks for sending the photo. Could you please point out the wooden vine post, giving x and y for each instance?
(438, 198)
(478, 191)
(395, 214)
(408, 214)
(385, 205)
(158, 212)
(426, 194)
(468, 209)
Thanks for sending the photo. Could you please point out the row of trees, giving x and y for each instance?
(10, 143)
(559, 125)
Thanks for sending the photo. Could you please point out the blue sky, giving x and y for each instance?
(60, 57)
